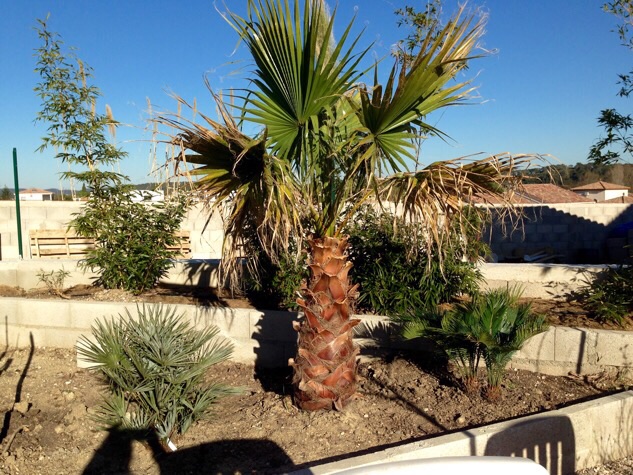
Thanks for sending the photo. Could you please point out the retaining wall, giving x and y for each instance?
(267, 338)
(577, 232)
(547, 281)
(563, 441)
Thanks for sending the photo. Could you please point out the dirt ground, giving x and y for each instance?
(47, 403)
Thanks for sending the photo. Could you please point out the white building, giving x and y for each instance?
(601, 191)
(36, 194)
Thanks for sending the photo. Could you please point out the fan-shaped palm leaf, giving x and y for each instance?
(300, 70)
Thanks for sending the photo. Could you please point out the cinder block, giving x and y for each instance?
(45, 314)
(266, 354)
(244, 351)
(232, 322)
(529, 229)
(612, 348)
(539, 347)
(57, 338)
(572, 345)
(31, 213)
(84, 314)
(9, 312)
(8, 273)
(273, 325)
(62, 215)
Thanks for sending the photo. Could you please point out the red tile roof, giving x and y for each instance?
(620, 199)
(549, 193)
(599, 186)
(540, 193)
(35, 190)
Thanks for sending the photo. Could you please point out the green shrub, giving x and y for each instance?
(154, 370)
(130, 238)
(492, 326)
(276, 285)
(54, 280)
(392, 278)
(609, 296)
(396, 274)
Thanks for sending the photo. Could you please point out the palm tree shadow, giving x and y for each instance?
(224, 456)
(6, 425)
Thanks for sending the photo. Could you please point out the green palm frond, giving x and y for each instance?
(390, 115)
(327, 141)
(300, 70)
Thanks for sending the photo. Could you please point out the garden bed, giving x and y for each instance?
(402, 399)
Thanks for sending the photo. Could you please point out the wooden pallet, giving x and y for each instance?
(63, 244)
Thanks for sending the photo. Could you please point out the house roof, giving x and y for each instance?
(620, 199)
(600, 186)
(31, 191)
(539, 193)
(549, 193)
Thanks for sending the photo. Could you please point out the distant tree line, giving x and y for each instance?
(571, 176)
(6, 194)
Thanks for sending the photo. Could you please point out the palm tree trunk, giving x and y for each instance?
(325, 367)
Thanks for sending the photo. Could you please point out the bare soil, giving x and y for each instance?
(47, 404)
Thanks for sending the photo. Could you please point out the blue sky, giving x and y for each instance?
(555, 68)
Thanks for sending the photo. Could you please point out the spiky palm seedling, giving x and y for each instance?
(512, 326)
(153, 367)
(491, 327)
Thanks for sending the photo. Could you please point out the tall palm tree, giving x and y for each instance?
(329, 143)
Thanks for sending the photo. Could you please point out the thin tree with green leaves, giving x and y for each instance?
(327, 144)
(616, 144)
(131, 238)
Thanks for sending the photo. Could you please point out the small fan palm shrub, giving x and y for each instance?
(154, 370)
(492, 326)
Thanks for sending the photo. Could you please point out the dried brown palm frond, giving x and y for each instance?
(436, 196)
(253, 190)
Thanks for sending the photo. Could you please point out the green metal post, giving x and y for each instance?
(16, 187)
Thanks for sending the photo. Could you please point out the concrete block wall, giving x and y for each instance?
(267, 338)
(546, 281)
(539, 280)
(563, 350)
(576, 231)
(206, 234)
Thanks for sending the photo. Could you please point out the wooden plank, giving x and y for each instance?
(58, 243)
(62, 241)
